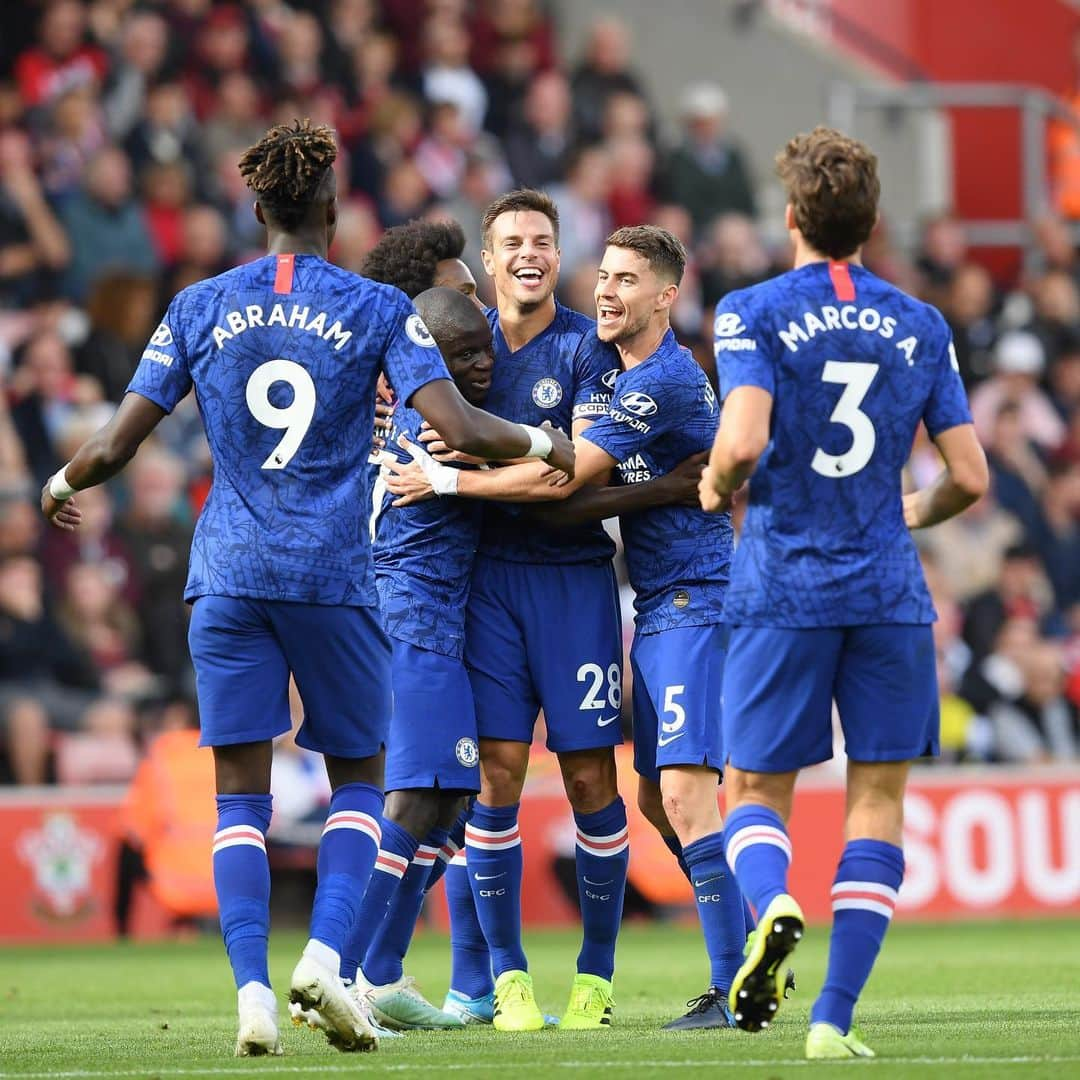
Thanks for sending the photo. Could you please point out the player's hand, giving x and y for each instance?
(433, 477)
(682, 482)
(384, 422)
(64, 515)
(561, 458)
(436, 446)
(384, 391)
(912, 516)
(712, 502)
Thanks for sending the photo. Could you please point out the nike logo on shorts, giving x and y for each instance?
(664, 740)
(609, 720)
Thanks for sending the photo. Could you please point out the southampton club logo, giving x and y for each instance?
(547, 393)
(62, 857)
(418, 332)
(467, 753)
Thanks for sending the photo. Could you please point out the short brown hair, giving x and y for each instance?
(664, 250)
(833, 187)
(514, 202)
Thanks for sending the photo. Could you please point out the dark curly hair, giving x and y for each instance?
(286, 168)
(407, 255)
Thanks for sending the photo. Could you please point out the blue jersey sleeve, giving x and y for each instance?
(947, 406)
(412, 359)
(596, 367)
(742, 354)
(163, 375)
(635, 418)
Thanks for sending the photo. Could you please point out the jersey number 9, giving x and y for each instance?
(855, 379)
(295, 417)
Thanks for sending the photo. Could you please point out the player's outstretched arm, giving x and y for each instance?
(100, 458)
(963, 481)
(591, 503)
(528, 482)
(473, 431)
(740, 441)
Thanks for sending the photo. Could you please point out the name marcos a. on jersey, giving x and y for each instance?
(853, 365)
(284, 354)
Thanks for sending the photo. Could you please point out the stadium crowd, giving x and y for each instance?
(121, 124)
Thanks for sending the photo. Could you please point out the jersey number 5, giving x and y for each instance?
(855, 379)
(295, 417)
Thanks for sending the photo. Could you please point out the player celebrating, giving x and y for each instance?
(284, 353)
(663, 411)
(827, 373)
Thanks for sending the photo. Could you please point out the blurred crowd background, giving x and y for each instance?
(121, 124)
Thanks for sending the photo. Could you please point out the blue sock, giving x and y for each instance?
(863, 898)
(494, 854)
(347, 850)
(602, 857)
(749, 922)
(396, 851)
(242, 882)
(470, 960)
(385, 955)
(720, 907)
(759, 852)
(676, 849)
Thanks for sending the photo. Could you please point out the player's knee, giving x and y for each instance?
(651, 804)
(415, 811)
(502, 772)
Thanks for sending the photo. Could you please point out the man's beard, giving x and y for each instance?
(632, 331)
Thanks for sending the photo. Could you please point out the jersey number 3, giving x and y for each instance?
(855, 379)
(295, 417)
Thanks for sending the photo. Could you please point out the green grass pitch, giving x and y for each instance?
(998, 999)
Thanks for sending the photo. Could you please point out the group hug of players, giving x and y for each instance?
(435, 608)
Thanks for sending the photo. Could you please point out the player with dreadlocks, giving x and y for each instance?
(283, 354)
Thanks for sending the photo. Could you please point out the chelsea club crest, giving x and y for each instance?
(547, 393)
(467, 752)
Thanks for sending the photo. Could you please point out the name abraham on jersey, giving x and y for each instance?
(847, 317)
(635, 470)
(297, 319)
(547, 393)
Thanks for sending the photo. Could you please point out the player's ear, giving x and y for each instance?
(259, 214)
(669, 295)
(789, 218)
(488, 261)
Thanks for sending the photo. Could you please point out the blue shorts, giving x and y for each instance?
(547, 637)
(677, 685)
(244, 649)
(779, 686)
(432, 741)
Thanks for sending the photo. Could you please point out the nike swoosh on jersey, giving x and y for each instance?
(609, 720)
(663, 741)
(489, 877)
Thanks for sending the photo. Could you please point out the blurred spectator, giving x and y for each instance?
(74, 133)
(732, 257)
(1017, 472)
(1020, 591)
(144, 43)
(446, 75)
(537, 148)
(235, 123)
(1054, 241)
(440, 157)
(706, 173)
(604, 70)
(105, 226)
(19, 523)
(61, 59)
(122, 308)
(942, 252)
(1036, 722)
(167, 133)
(969, 305)
(1058, 537)
(156, 530)
(1057, 309)
(204, 241)
(33, 244)
(1019, 363)
(349, 23)
(221, 45)
(299, 49)
(584, 219)
(405, 194)
(357, 233)
(626, 115)
(630, 197)
(166, 193)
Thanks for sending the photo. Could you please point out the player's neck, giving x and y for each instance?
(640, 347)
(805, 255)
(283, 243)
(520, 325)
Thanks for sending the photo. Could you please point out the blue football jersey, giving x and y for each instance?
(564, 374)
(662, 412)
(423, 558)
(284, 354)
(853, 365)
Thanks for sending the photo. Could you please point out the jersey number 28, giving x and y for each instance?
(855, 379)
(295, 417)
